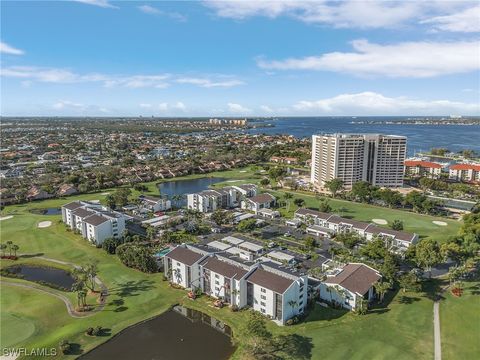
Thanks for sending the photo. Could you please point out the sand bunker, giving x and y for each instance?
(380, 221)
(6, 217)
(440, 223)
(44, 224)
(105, 193)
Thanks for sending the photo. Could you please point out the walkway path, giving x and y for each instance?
(436, 331)
(70, 307)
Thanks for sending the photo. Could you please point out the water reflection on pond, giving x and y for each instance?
(183, 187)
(178, 334)
(57, 277)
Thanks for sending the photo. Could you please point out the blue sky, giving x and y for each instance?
(239, 58)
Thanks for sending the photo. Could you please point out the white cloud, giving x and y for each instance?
(409, 59)
(339, 14)
(147, 9)
(100, 3)
(266, 109)
(209, 83)
(145, 106)
(371, 103)
(8, 49)
(140, 81)
(467, 20)
(237, 109)
(163, 106)
(55, 75)
(62, 104)
(180, 106)
(68, 107)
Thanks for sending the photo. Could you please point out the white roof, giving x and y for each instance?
(251, 246)
(156, 219)
(235, 251)
(232, 240)
(278, 255)
(219, 245)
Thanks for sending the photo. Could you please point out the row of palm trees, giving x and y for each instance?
(10, 247)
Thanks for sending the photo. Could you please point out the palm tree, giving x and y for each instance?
(287, 197)
(293, 304)
(2, 248)
(15, 248)
(382, 288)
(9, 245)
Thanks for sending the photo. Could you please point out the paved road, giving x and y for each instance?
(436, 331)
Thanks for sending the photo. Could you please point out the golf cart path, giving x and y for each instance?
(70, 307)
(436, 331)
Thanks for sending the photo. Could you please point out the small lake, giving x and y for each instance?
(56, 277)
(178, 334)
(47, 211)
(183, 187)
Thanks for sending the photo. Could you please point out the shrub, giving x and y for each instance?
(65, 346)
(234, 308)
(97, 331)
(89, 331)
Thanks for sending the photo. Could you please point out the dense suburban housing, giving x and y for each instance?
(325, 224)
(94, 221)
(375, 158)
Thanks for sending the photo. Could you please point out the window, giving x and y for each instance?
(216, 276)
(217, 289)
(263, 297)
(178, 264)
(263, 304)
(301, 296)
(263, 290)
(262, 310)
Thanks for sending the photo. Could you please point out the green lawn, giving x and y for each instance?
(417, 223)
(460, 324)
(34, 319)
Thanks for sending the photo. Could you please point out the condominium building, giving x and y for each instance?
(276, 291)
(93, 221)
(223, 198)
(327, 225)
(415, 167)
(378, 159)
(465, 172)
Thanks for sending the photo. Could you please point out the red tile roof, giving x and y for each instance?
(475, 167)
(421, 163)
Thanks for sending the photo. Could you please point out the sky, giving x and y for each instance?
(239, 58)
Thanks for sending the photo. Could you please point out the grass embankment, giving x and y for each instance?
(460, 323)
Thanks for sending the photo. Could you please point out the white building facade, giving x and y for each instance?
(377, 159)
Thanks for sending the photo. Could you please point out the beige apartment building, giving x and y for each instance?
(375, 158)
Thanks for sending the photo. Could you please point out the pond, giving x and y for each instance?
(54, 277)
(178, 334)
(47, 211)
(183, 187)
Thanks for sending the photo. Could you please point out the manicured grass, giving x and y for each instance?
(417, 223)
(460, 324)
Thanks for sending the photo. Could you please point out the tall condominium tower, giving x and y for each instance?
(375, 158)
